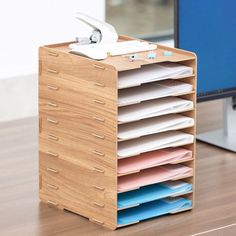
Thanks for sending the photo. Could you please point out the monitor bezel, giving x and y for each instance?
(206, 96)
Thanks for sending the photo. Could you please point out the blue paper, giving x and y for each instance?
(153, 209)
(152, 192)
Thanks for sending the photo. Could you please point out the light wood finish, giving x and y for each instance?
(121, 63)
(71, 92)
(78, 108)
(22, 214)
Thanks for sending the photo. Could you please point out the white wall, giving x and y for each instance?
(25, 25)
(18, 97)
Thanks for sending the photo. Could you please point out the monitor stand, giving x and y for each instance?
(226, 137)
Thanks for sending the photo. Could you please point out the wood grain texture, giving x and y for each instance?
(121, 63)
(78, 107)
(72, 187)
(82, 139)
(22, 214)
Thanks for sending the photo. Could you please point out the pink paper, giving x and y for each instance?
(153, 175)
(155, 158)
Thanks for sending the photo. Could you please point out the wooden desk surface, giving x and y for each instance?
(21, 214)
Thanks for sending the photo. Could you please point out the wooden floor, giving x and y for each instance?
(21, 213)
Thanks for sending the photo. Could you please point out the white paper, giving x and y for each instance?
(153, 108)
(175, 184)
(151, 73)
(152, 91)
(154, 125)
(153, 142)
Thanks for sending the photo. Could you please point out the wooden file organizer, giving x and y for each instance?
(78, 128)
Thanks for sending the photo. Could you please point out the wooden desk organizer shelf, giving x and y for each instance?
(78, 130)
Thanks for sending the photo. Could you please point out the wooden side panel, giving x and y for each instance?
(78, 95)
(78, 110)
(77, 188)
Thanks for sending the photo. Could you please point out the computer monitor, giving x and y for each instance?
(208, 29)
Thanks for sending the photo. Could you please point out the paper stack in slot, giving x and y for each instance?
(153, 209)
(153, 72)
(153, 192)
(153, 108)
(154, 125)
(153, 175)
(152, 91)
(154, 158)
(153, 142)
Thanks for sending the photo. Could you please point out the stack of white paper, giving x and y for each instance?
(153, 142)
(154, 125)
(153, 108)
(152, 90)
(151, 73)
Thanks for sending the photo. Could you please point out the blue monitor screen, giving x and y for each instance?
(208, 28)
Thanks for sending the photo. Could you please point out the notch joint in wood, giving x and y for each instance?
(52, 121)
(52, 203)
(101, 119)
(52, 104)
(49, 153)
(99, 101)
(98, 136)
(99, 84)
(52, 170)
(98, 153)
(99, 188)
(52, 186)
(96, 221)
(98, 170)
(99, 67)
(54, 54)
(102, 205)
(52, 87)
(53, 137)
(52, 71)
